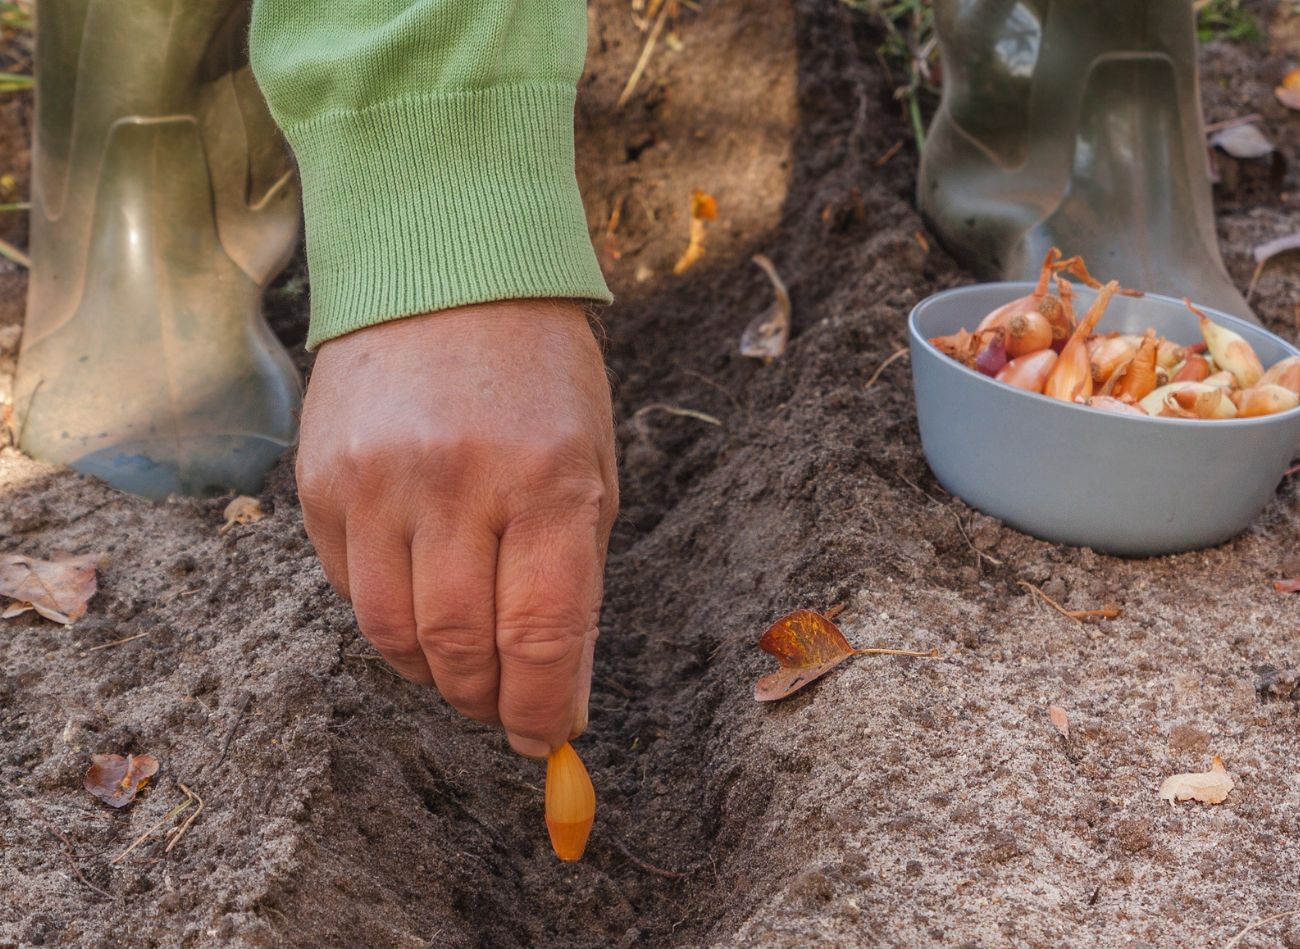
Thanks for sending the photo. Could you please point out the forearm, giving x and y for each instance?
(435, 143)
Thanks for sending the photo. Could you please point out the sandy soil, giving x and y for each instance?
(898, 802)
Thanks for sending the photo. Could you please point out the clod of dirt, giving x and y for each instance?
(1188, 739)
(1273, 684)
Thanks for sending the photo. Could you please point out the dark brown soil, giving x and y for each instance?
(897, 802)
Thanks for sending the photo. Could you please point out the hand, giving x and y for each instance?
(458, 481)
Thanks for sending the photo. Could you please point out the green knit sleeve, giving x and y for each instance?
(435, 143)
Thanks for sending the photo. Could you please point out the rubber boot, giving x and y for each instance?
(163, 202)
(1074, 123)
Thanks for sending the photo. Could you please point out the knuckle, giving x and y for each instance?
(541, 644)
(392, 635)
(459, 647)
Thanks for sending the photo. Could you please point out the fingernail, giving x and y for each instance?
(579, 721)
(529, 747)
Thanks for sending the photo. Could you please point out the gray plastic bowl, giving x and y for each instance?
(1121, 484)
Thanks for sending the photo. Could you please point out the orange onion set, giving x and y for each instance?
(1038, 343)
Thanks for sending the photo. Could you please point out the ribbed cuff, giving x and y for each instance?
(422, 204)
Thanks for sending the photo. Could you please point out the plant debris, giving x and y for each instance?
(1211, 786)
(116, 780)
(1265, 252)
(1288, 93)
(704, 208)
(56, 589)
(1244, 141)
(1060, 719)
(766, 335)
(808, 645)
(1287, 586)
(1108, 611)
(242, 510)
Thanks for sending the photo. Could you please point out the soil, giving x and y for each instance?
(896, 802)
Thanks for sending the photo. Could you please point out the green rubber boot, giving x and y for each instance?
(163, 202)
(1074, 123)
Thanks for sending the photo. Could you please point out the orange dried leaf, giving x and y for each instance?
(57, 589)
(1288, 93)
(116, 780)
(1060, 719)
(807, 645)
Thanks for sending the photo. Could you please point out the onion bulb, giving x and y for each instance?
(1194, 369)
(1034, 321)
(1199, 401)
(1264, 400)
(992, 353)
(1029, 372)
(1108, 404)
(1071, 377)
(1139, 376)
(1222, 378)
(1107, 354)
(1229, 350)
(1169, 354)
(570, 803)
(1285, 373)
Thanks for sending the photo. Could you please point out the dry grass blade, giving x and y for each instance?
(1236, 940)
(1109, 611)
(170, 815)
(638, 417)
(892, 358)
(176, 833)
(13, 253)
(646, 52)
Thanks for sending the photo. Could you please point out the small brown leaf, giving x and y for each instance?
(57, 589)
(116, 780)
(1211, 786)
(807, 645)
(1060, 719)
(704, 208)
(1287, 586)
(1288, 93)
(242, 510)
(767, 334)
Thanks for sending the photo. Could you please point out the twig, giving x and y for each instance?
(176, 833)
(1233, 123)
(118, 642)
(1290, 471)
(170, 815)
(1256, 924)
(888, 153)
(244, 699)
(644, 60)
(881, 651)
(1105, 612)
(638, 417)
(72, 858)
(648, 867)
(13, 253)
(892, 358)
(835, 611)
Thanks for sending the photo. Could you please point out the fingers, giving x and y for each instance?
(379, 574)
(547, 602)
(454, 578)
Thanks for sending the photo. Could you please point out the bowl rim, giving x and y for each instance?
(916, 338)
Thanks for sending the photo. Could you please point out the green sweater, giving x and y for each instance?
(435, 143)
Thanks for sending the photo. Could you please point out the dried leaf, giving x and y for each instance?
(1267, 251)
(807, 645)
(116, 780)
(242, 510)
(56, 589)
(1288, 93)
(704, 208)
(1060, 719)
(767, 334)
(1287, 586)
(1211, 786)
(1246, 142)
